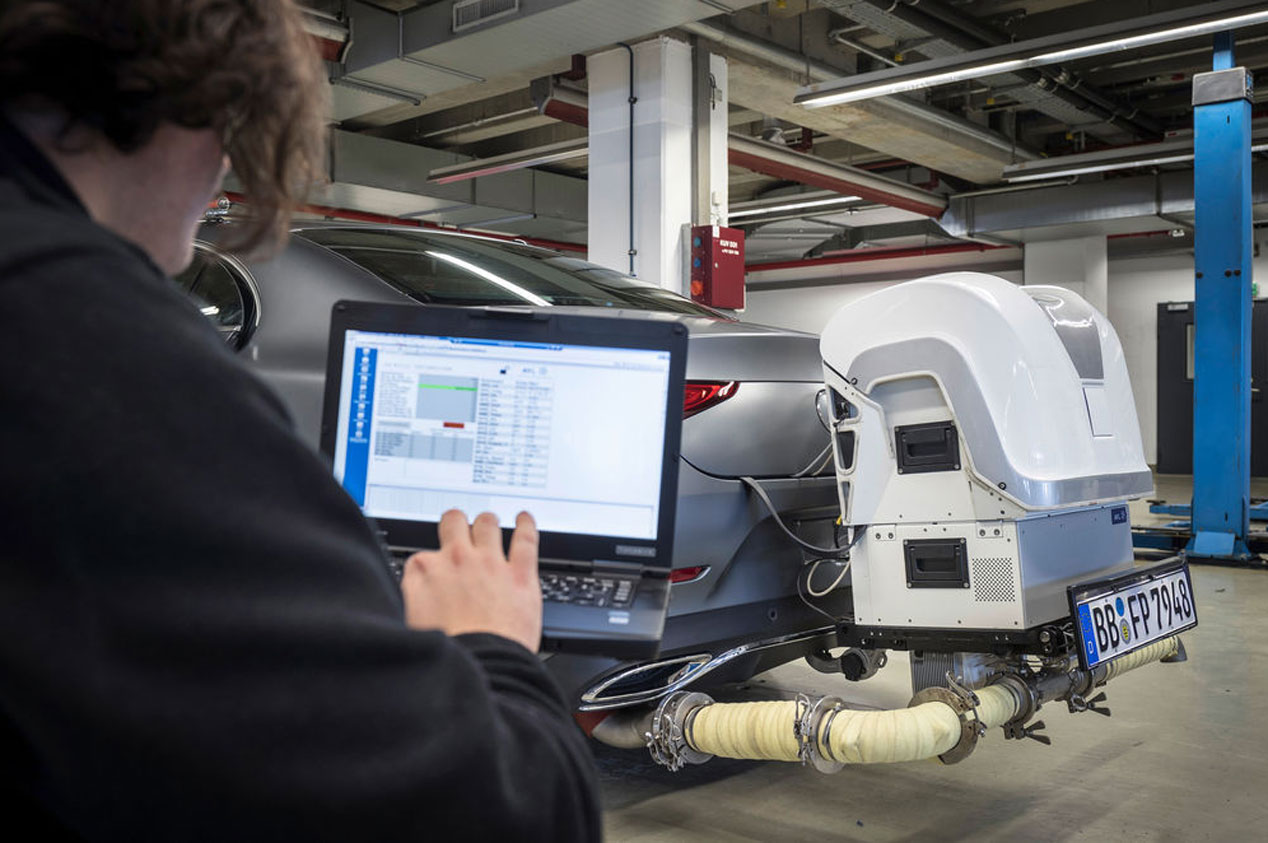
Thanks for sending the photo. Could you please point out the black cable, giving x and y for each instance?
(838, 553)
(831, 552)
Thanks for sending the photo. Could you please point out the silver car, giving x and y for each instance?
(741, 601)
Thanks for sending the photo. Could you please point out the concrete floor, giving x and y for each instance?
(1184, 757)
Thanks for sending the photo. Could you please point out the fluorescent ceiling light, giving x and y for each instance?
(791, 206)
(1005, 59)
(510, 287)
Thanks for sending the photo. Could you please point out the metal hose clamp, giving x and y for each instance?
(812, 717)
(667, 739)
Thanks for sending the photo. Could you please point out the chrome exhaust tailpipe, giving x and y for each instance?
(650, 682)
(644, 683)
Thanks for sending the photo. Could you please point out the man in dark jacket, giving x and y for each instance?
(198, 636)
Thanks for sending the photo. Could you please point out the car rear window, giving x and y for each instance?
(446, 269)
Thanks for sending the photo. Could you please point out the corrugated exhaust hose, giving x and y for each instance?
(940, 723)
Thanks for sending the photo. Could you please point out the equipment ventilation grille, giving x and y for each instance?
(471, 13)
(993, 579)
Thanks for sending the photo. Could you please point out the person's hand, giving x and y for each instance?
(469, 586)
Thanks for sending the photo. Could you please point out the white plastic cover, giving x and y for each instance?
(1034, 376)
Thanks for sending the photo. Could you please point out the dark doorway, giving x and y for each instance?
(1175, 388)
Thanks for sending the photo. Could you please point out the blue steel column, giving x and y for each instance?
(1221, 387)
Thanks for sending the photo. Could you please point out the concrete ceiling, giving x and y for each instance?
(472, 99)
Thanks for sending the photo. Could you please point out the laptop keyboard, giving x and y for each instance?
(574, 589)
(587, 589)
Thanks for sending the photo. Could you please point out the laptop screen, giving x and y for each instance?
(574, 434)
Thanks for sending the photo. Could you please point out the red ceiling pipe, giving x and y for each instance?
(806, 143)
(578, 70)
(368, 216)
(560, 109)
(863, 255)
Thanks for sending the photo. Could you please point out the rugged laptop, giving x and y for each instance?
(575, 419)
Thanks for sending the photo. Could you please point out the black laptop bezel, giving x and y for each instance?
(527, 325)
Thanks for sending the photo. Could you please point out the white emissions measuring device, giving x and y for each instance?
(986, 445)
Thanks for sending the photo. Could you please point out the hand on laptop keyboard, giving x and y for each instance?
(588, 590)
(469, 586)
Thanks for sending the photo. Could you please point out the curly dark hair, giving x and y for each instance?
(245, 68)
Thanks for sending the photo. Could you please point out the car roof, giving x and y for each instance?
(406, 227)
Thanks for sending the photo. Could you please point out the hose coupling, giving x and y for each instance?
(667, 738)
(964, 702)
(814, 718)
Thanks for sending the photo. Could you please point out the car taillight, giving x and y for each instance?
(687, 574)
(699, 396)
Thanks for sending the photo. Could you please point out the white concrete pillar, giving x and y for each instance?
(1079, 264)
(663, 162)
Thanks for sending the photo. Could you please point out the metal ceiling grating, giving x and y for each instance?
(469, 13)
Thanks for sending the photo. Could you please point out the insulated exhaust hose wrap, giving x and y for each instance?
(765, 731)
(882, 737)
(769, 731)
(996, 706)
(761, 731)
(1156, 651)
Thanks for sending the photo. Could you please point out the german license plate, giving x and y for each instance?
(1115, 616)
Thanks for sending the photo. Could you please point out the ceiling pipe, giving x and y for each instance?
(860, 47)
